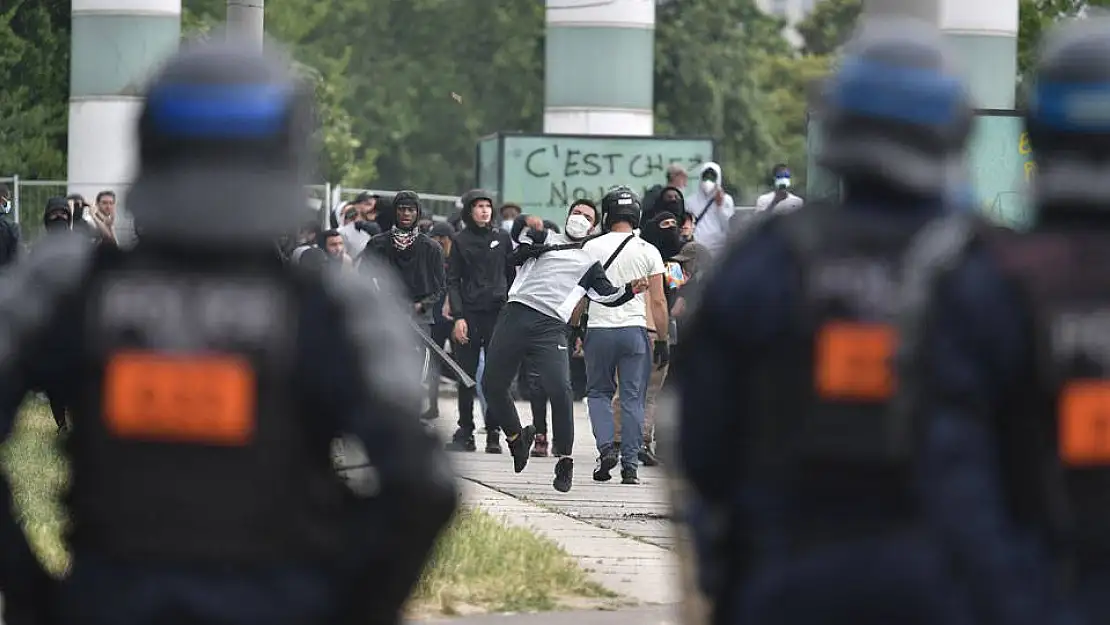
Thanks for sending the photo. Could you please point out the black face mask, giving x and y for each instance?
(666, 240)
(57, 224)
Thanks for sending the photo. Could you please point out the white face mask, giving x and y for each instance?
(5, 206)
(707, 186)
(506, 224)
(782, 183)
(577, 226)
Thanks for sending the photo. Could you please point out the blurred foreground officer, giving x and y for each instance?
(215, 380)
(783, 433)
(1007, 362)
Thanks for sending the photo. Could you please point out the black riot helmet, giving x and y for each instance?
(895, 113)
(1068, 118)
(225, 149)
(620, 204)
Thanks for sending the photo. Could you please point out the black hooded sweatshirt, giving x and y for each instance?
(480, 268)
(420, 267)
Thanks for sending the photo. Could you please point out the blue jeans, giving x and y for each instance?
(613, 353)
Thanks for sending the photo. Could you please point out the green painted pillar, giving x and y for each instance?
(115, 46)
(983, 33)
(599, 71)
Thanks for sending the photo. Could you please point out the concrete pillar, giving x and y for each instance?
(116, 44)
(246, 22)
(982, 32)
(599, 69)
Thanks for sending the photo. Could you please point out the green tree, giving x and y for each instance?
(707, 56)
(829, 25)
(1038, 16)
(34, 88)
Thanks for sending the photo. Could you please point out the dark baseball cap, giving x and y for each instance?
(364, 197)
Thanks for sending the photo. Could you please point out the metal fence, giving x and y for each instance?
(29, 199)
(434, 204)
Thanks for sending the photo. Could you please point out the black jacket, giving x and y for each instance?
(419, 268)
(479, 270)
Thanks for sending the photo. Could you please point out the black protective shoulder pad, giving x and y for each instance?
(374, 319)
(32, 290)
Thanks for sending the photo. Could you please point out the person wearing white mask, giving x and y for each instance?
(555, 274)
(508, 213)
(712, 208)
(780, 199)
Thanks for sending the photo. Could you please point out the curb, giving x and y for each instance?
(630, 568)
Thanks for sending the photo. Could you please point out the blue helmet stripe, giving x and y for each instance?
(894, 93)
(1072, 107)
(205, 111)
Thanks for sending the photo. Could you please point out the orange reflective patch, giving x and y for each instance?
(185, 399)
(1084, 423)
(853, 361)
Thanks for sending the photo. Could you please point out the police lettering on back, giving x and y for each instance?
(213, 378)
(168, 312)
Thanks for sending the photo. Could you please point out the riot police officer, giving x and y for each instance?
(1007, 363)
(214, 380)
(805, 510)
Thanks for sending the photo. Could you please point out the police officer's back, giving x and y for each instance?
(783, 434)
(214, 380)
(1007, 363)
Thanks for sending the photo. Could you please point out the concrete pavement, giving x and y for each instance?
(648, 615)
(619, 534)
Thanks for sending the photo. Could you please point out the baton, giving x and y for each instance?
(443, 356)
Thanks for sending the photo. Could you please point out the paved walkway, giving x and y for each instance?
(618, 533)
(652, 615)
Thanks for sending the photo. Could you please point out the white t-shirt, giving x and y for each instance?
(638, 259)
(790, 202)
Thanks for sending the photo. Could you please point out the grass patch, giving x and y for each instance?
(480, 565)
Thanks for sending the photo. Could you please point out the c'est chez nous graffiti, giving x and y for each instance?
(574, 174)
(1025, 150)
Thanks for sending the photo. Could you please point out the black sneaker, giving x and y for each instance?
(628, 476)
(605, 463)
(521, 446)
(564, 474)
(462, 441)
(648, 458)
(493, 442)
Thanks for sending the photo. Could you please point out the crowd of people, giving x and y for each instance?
(537, 310)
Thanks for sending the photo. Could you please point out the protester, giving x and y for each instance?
(442, 324)
(9, 230)
(555, 273)
(417, 259)
(677, 179)
(479, 273)
(508, 213)
(712, 208)
(780, 198)
(618, 347)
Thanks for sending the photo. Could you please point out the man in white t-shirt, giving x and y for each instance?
(781, 199)
(618, 348)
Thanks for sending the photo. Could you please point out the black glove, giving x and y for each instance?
(662, 354)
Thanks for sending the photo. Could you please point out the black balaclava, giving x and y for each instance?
(403, 238)
(56, 216)
(666, 240)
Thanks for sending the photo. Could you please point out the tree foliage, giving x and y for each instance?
(34, 87)
(405, 89)
(829, 25)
